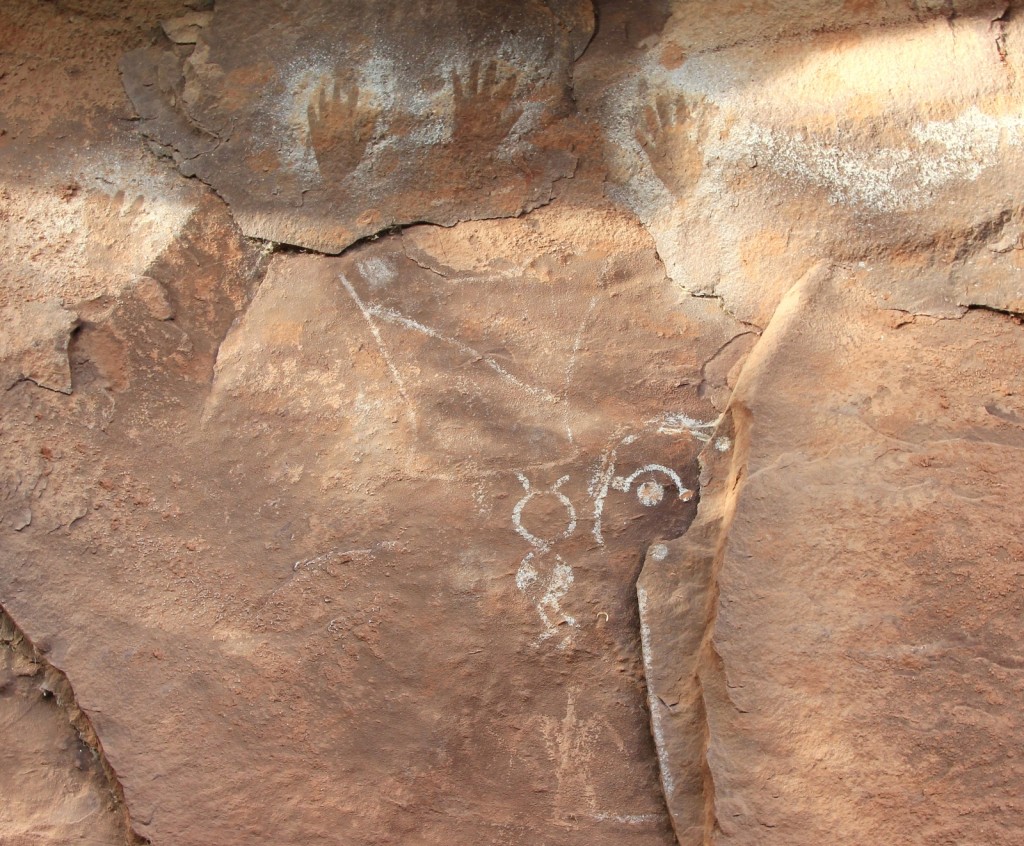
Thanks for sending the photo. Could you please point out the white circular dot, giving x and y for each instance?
(659, 552)
(650, 493)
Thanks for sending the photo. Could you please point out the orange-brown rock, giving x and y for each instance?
(348, 119)
(665, 493)
(832, 647)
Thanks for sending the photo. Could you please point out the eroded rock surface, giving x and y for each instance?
(57, 786)
(405, 547)
(331, 518)
(811, 666)
(350, 119)
(754, 146)
(839, 628)
(39, 808)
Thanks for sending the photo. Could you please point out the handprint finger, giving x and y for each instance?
(664, 107)
(321, 101)
(457, 93)
(650, 129)
(504, 91)
(311, 110)
(490, 76)
(137, 206)
(682, 113)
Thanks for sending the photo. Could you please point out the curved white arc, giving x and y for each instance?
(527, 573)
(540, 544)
(598, 489)
(624, 484)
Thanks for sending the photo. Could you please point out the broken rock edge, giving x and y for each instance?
(56, 682)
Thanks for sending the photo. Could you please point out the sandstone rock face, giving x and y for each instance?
(537, 423)
(750, 160)
(36, 345)
(352, 119)
(407, 548)
(54, 787)
(836, 636)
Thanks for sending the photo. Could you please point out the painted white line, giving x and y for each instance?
(399, 382)
(392, 316)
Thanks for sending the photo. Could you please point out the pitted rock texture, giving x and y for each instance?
(664, 494)
(351, 119)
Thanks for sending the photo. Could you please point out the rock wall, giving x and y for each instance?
(543, 422)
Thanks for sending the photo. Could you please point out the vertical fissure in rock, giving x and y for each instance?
(54, 683)
(687, 683)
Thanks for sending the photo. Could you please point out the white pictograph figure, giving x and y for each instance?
(517, 512)
(650, 492)
(651, 489)
(560, 580)
(651, 483)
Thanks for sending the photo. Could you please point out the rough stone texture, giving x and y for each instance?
(35, 345)
(750, 159)
(57, 788)
(348, 548)
(277, 535)
(393, 518)
(350, 119)
(827, 643)
(835, 650)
